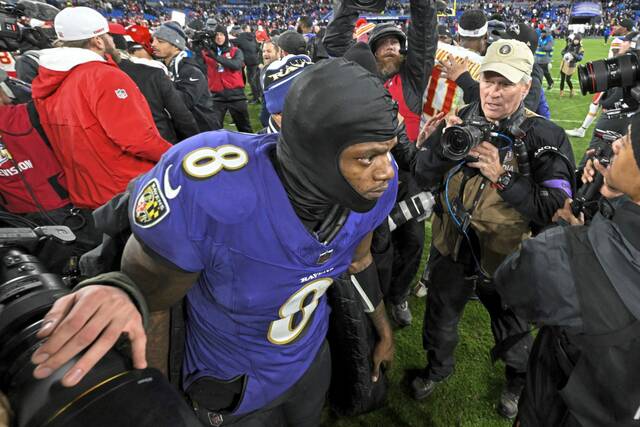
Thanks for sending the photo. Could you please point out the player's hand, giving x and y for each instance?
(382, 355)
(452, 68)
(488, 161)
(566, 214)
(93, 318)
(428, 128)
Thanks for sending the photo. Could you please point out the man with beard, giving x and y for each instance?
(253, 229)
(99, 124)
(405, 70)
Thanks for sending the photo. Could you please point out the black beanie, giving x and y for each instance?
(333, 105)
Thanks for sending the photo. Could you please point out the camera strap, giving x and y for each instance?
(34, 118)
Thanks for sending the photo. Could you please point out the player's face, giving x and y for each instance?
(624, 174)
(367, 167)
(162, 49)
(499, 97)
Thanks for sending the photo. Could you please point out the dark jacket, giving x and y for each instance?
(192, 86)
(173, 120)
(247, 43)
(422, 42)
(536, 198)
(582, 284)
(27, 65)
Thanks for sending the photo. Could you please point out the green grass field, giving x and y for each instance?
(468, 398)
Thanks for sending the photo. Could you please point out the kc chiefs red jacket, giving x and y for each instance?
(98, 122)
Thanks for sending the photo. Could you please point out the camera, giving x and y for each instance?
(586, 198)
(621, 71)
(367, 5)
(111, 394)
(13, 37)
(419, 206)
(203, 39)
(458, 140)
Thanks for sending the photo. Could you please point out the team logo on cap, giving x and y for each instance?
(121, 93)
(505, 50)
(150, 206)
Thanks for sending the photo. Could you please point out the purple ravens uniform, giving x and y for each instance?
(214, 204)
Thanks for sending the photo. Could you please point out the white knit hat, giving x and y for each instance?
(80, 23)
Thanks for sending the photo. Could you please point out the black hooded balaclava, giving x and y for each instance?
(331, 106)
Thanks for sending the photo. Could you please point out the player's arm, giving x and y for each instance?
(364, 276)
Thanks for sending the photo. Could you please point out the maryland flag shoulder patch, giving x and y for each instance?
(151, 206)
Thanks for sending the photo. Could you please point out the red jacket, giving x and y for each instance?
(39, 167)
(411, 119)
(98, 122)
(222, 78)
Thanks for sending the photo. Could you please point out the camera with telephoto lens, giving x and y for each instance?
(458, 140)
(419, 206)
(620, 71)
(111, 394)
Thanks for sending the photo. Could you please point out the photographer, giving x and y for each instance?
(571, 55)
(581, 284)
(224, 71)
(170, 44)
(507, 189)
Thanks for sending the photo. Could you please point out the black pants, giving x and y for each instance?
(565, 77)
(239, 113)
(448, 294)
(397, 255)
(547, 73)
(300, 406)
(253, 78)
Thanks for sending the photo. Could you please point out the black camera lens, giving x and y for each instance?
(598, 76)
(457, 141)
(112, 393)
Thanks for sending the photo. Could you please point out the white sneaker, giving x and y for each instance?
(420, 289)
(578, 132)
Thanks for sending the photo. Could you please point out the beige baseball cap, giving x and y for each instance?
(509, 58)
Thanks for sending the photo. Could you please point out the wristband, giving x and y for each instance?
(367, 284)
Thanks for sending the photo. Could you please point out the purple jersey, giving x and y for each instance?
(214, 204)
